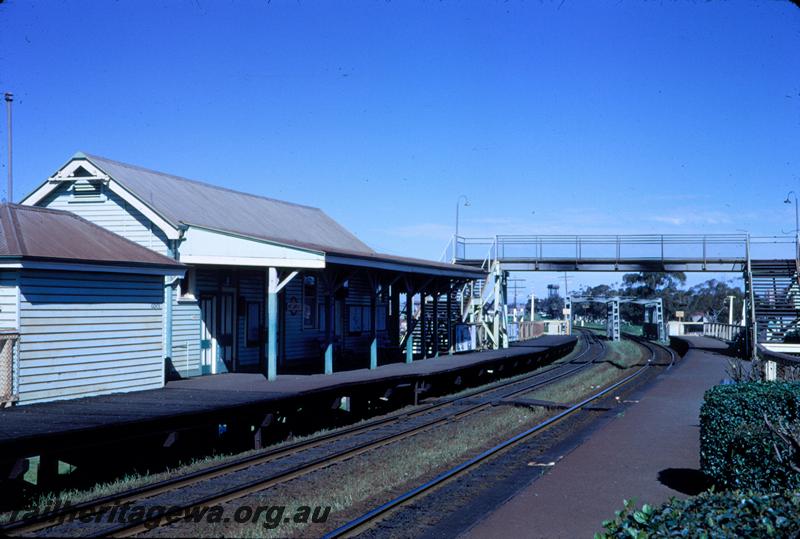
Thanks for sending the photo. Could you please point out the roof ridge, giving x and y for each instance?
(199, 182)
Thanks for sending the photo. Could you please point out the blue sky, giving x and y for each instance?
(592, 117)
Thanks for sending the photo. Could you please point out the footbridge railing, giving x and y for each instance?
(603, 252)
(724, 332)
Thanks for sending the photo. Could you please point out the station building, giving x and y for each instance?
(269, 286)
(80, 308)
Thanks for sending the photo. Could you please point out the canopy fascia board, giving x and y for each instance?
(213, 247)
(93, 267)
(389, 265)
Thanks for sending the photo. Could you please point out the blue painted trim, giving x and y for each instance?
(272, 336)
(172, 253)
(329, 358)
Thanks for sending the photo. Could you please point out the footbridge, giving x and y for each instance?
(772, 281)
(630, 252)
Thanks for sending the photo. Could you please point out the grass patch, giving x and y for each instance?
(352, 487)
(601, 329)
(565, 359)
(620, 356)
(134, 480)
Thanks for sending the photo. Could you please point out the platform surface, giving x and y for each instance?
(649, 453)
(218, 393)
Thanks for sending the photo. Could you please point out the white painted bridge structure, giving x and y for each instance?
(772, 289)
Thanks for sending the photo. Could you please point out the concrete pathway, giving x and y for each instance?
(650, 453)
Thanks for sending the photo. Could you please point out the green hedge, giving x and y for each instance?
(710, 515)
(736, 448)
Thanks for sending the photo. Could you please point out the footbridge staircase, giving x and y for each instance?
(775, 303)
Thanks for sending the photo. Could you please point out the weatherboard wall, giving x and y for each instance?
(87, 334)
(111, 212)
(185, 335)
(8, 299)
(302, 343)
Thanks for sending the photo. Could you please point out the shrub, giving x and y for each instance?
(737, 449)
(710, 515)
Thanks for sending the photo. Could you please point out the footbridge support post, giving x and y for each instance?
(500, 312)
(568, 315)
(612, 323)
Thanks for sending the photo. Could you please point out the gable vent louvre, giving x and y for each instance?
(85, 190)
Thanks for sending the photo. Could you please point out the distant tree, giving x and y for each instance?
(552, 306)
(648, 285)
(711, 299)
(594, 310)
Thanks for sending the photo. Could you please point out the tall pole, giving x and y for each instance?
(10, 186)
(455, 238)
(730, 311)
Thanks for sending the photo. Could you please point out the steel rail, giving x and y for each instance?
(244, 489)
(365, 519)
(91, 507)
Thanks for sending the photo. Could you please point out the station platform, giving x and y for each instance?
(649, 453)
(208, 400)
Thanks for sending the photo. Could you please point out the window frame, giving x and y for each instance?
(259, 306)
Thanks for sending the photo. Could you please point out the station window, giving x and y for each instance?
(359, 319)
(253, 323)
(310, 312)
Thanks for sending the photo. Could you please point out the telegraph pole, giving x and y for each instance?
(10, 186)
(516, 287)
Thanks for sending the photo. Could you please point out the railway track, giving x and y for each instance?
(239, 477)
(370, 518)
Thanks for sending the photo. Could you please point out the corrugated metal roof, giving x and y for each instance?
(31, 232)
(189, 202)
(180, 200)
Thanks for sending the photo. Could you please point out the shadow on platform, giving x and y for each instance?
(685, 480)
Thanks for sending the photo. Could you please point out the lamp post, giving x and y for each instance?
(796, 222)
(9, 97)
(455, 238)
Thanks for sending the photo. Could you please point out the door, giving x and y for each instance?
(208, 343)
(226, 333)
